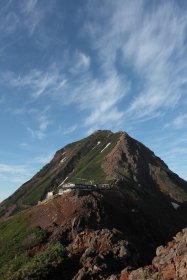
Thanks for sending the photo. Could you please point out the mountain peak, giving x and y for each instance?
(102, 157)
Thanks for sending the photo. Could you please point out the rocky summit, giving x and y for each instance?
(112, 232)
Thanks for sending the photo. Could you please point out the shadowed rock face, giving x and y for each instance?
(105, 232)
(170, 262)
(132, 161)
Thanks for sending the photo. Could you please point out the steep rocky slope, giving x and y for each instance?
(170, 262)
(102, 157)
(100, 232)
(88, 234)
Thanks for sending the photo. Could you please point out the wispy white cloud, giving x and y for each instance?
(28, 6)
(22, 15)
(180, 121)
(32, 16)
(80, 63)
(4, 168)
(145, 41)
(102, 99)
(14, 173)
(99, 98)
(36, 81)
(151, 42)
(178, 150)
(36, 133)
(66, 130)
(9, 23)
(43, 121)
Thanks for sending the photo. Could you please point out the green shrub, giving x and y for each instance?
(35, 236)
(16, 237)
(12, 266)
(44, 266)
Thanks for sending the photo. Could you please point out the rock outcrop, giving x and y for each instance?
(107, 234)
(101, 252)
(170, 262)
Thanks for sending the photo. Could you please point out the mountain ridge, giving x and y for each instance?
(92, 234)
(124, 159)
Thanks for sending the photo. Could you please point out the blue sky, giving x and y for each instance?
(70, 67)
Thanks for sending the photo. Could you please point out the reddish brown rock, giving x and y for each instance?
(125, 274)
(101, 252)
(170, 262)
